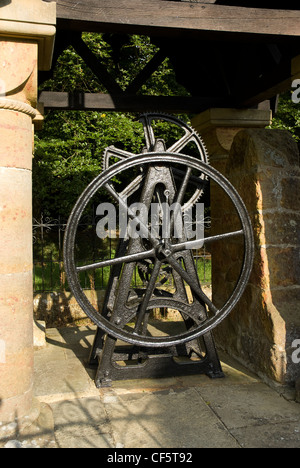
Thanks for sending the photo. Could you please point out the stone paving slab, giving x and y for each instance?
(166, 419)
(179, 412)
(249, 405)
(82, 423)
(280, 435)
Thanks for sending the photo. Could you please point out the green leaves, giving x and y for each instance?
(288, 116)
(68, 152)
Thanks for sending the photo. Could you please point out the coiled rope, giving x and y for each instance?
(17, 106)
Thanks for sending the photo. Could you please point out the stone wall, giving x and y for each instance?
(264, 167)
(61, 308)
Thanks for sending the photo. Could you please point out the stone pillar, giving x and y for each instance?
(265, 327)
(218, 127)
(263, 165)
(26, 41)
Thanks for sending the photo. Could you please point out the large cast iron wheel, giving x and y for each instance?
(158, 251)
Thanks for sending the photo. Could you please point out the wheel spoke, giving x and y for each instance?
(147, 296)
(115, 261)
(184, 185)
(180, 144)
(133, 186)
(143, 228)
(194, 285)
(194, 180)
(180, 195)
(112, 151)
(188, 245)
(148, 133)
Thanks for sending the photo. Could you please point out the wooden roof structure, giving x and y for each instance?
(226, 53)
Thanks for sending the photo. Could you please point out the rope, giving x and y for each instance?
(17, 106)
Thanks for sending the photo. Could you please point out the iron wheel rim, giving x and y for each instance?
(70, 235)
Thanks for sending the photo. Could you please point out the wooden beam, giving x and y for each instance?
(146, 72)
(126, 103)
(99, 69)
(296, 68)
(158, 17)
(275, 82)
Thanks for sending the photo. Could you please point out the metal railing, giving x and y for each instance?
(48, 266)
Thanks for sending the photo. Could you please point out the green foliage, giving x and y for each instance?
(288, 116)
(68, 155)
(68, 152)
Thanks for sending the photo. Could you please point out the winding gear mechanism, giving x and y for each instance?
(154, 274)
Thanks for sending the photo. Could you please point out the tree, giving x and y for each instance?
(288, 116)
(68, 152)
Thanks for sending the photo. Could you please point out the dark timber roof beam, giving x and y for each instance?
(167, 18)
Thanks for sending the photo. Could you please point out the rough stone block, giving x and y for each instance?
(264, 167)
(290, 189)
(254, 148)
(281, 228)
